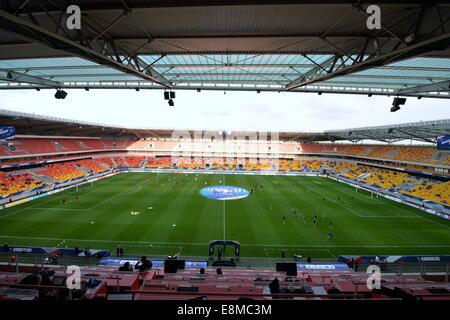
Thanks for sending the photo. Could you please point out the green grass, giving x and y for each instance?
(101, 218)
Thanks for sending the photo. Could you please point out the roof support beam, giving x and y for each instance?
(240, 65)
(414, 135)
(369, 137)
(41, 35)
(433, 87)
(318, 69)
(12, 76)
(418, 48)
(112, 24)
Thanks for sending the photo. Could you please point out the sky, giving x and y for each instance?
(266, 111)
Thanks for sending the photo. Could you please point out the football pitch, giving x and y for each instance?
(162, 214)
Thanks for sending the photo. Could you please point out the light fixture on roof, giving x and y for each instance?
(397, 103)
(169, 95)
(60, 94)
(409, 39)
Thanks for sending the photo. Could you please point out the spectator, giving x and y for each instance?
(126, 267)
(219, 253)
(87, 253)
(219, 271)
(53, 259)
(375, 260)
(32, 279)
(350, 263)
(46, 277)
(202, 270)
(144, 264)
(6, 248)
(274, 286)
(308, 259)
(119, 251)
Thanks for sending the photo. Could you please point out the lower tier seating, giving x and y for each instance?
(234, 283)
(62, 171)
(13, 183)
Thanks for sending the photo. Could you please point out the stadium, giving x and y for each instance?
(220, 214)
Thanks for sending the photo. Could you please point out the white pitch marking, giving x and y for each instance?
(243, 244)
(224, 213)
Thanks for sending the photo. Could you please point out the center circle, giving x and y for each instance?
(224, 192)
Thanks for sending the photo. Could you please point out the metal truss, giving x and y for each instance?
(427, 30)
(414, 43)
(12, 76)
(94, 46)
(426, 131)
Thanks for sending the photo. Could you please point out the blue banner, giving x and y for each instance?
(7, 132)
(443, 142)
(52, 251)
(322, 267)
(396, 259)
(118, 262)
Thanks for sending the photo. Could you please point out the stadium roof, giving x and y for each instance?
(299, 46)
(426, 131)
(32, 124)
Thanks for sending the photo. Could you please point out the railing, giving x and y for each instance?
(422, 268)
(399, 268)
(23, 260)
